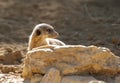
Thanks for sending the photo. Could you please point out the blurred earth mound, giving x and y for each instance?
(83, 22)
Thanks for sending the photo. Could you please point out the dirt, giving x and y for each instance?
(85, 22)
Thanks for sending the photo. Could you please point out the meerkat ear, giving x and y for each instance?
(38, 32)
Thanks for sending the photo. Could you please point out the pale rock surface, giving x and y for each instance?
(52, 76)
(80, 79)
(117, 79)
(11, 78)
(36, 78)
(71, 60)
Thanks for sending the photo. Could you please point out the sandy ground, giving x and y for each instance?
(86, 22)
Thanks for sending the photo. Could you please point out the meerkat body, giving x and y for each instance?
(42, 35)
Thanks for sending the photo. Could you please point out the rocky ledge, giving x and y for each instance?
(67, 64)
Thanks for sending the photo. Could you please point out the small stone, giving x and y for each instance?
(52, 76)
(80, 79)
(36, 78)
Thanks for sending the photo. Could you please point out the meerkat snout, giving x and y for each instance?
(43, 34)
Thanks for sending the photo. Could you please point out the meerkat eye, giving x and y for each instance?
(49, 30)
(38, 32)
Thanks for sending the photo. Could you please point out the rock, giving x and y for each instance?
(36, 78)
(10, 68)
(117, 79)
(95, 81)
(8, 56)
(52, 76)
(11, 78)
(80, 79)
(71, 60)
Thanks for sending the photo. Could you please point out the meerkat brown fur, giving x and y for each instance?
(43, 34)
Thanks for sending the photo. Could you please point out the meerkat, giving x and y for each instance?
(43, 35)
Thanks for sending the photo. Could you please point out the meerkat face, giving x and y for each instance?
(45, 30)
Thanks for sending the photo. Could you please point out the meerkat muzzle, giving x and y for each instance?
(56, 34)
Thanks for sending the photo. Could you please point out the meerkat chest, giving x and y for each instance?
(42, 43)
(39, 42)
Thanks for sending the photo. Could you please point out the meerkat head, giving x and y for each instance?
(45, 30)
(40, 34)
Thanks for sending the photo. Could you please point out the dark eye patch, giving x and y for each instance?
(38, 32)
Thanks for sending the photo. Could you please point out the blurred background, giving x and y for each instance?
(85, 22)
